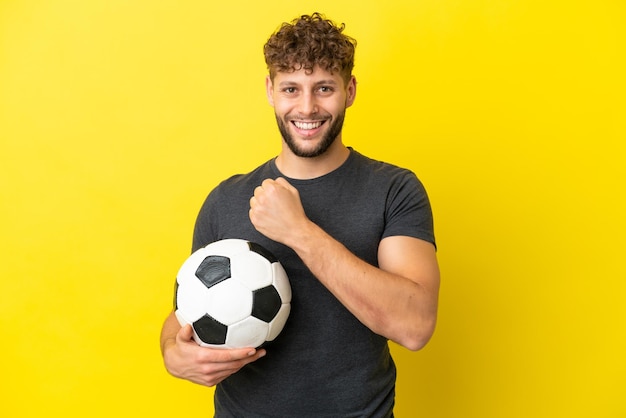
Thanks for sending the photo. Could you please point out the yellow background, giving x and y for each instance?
(117, 117)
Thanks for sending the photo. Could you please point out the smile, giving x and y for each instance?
(306, 126)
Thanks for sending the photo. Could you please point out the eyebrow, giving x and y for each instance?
(288, 83)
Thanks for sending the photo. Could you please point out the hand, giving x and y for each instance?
(185, 359)
(276, 211)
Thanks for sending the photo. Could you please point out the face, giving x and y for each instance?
(310, 108)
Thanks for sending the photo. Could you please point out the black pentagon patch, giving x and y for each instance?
(265, 303)
(210, 331)
(259, 249)
(213, 269)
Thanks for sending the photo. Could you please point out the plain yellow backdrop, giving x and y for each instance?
(118, 117)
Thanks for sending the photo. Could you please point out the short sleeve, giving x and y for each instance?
(408, 209)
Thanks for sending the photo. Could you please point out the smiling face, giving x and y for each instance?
(310, 108)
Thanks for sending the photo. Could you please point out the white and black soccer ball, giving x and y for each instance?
(234, 293)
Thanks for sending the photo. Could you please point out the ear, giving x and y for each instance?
(351, 91)
(269, 90)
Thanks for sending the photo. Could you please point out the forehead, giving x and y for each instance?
(302, 77)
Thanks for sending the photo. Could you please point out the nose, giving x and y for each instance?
(307, 104)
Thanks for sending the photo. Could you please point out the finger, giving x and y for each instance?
(267, 182)
(237, 354)
(256, 196)
(283, 182)
(220, 371)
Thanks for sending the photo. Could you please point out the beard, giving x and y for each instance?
(327, 140)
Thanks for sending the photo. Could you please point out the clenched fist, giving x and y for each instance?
(276, 211)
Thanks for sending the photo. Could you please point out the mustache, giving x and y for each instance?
(302, 118)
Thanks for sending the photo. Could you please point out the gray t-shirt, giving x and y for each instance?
(325, 363)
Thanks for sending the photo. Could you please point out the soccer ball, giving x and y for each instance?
(234, 293)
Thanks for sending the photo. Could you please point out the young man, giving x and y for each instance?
(355, 236)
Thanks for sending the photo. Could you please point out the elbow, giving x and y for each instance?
(416, 340)
(416, 344)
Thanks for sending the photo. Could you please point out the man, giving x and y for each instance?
(355, 236)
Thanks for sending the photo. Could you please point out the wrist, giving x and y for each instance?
(308, 239)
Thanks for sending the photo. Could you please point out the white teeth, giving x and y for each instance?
(307, 125)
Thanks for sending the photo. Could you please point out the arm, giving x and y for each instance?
(398, 300)
(185, 359)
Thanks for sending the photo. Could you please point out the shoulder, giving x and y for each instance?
(247, 181)
(364, 162)
(227, 205)
(381, 172)
(236, 188)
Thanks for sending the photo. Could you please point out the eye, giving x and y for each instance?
(325, 90)
(289, 90)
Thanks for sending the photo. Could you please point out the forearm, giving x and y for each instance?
(168, 331)
(398, 303)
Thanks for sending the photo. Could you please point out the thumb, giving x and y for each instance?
(186, 333)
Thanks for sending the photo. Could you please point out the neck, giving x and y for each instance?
(302, 168)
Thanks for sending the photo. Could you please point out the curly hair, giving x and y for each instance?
(310, 41)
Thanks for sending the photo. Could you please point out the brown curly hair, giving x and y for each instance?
(310, 41)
